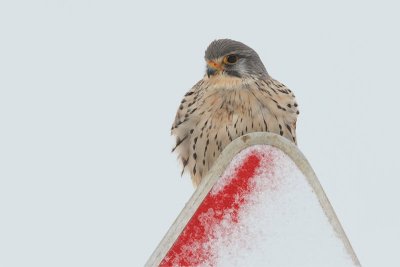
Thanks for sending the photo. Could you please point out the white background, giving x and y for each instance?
(89, 89)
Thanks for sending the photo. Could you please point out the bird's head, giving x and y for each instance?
(232, 58)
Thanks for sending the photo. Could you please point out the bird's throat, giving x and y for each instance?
(225, 82)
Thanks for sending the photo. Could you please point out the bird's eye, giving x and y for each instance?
(231, 59)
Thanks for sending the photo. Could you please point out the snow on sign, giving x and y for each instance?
(261, 205)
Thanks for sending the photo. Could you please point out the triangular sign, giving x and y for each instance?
(260, 205)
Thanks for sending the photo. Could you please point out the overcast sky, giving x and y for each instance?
(89, 89)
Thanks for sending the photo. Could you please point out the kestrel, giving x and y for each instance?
(236, 96)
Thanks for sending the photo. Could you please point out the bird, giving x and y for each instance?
(236, 96)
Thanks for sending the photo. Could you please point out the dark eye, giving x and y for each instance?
(231, 59)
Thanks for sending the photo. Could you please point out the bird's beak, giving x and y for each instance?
(213, 68)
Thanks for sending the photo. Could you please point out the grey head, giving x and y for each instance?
(233, 58)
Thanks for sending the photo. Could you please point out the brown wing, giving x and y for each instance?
(185, 121)
(281, 102)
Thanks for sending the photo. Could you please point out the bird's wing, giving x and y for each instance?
(282, 103)
(185, 121)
